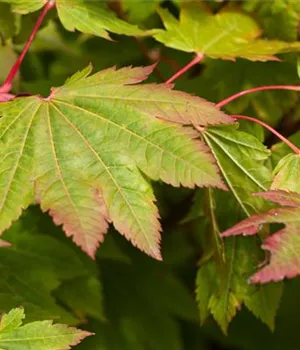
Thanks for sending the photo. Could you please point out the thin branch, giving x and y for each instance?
(260, 88)
(194, 61)
(273, 131)
(6, 87)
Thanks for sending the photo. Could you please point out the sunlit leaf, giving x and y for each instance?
(40, 335)
(227, 34)
(284, 245)
(80, 152)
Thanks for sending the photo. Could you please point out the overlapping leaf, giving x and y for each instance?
(228, 34)
(92, 17)
(287, 173)
(138, 10)
(222, 290)
(280, 19)
(240, 157)
(79, 154)
(284, 245)
(26, 6)
(222, 280)
(40, 335)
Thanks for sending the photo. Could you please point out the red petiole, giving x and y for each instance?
(229, 99)
(193, 62)
(260, 88)
(6, 87)
(273, 131)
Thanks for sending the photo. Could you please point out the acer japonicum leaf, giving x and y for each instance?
(227, 34)
(40, 335)
(92, 17)
(241, 159)
(287, 173)
(284, 245)
(81, 154)
(25, 6)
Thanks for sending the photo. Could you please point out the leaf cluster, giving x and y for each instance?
(122, 160)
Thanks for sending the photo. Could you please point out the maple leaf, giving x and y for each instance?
(80, 151)
(240, 157)
(283, 245)
(25, 6)
(92, 17)
(221, 292)
(222, 286)
(228, 34)
(280, 18)
(287, 173)
(40, 335)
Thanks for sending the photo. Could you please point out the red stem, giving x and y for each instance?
(194, 61)
(260, 88)
(273, 131)
(6, 87)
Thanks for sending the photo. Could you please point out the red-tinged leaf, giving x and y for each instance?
(284, 245)
(4, 244)
(81, 152)
(40, 335)
(287, 173)
(4, 97)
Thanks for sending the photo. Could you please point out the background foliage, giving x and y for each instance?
(128, 299)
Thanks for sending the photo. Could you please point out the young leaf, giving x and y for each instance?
(223, 292)
(25, 6)
(80, 152)
(240, 157)
(222, 283)
(287, 174)
(284, 244)
(227, 35)
(40, 335)
(93, 17)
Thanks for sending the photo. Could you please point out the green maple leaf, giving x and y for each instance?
(241, 157)
(287, 173)
(26, 6)
(80, 153)
(228, 34)
(40, 335)
(222, 285)
(92, 17)
(279, 19)
(222, 291)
